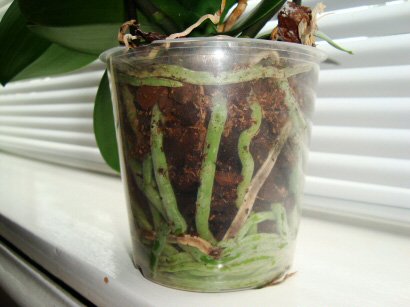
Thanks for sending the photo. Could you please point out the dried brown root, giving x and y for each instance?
(215, 18)
(188, 240)
(281, 279)
(307, 30)
(125, 36)
(197, 242)
(237, 12)
(257, 183)
(297, 24)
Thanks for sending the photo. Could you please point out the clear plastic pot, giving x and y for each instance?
(213, 137)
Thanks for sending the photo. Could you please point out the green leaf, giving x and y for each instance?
(183, 13)
(55, 60)
(179, 14)
(93, 39)
(157, 16)
(19, 46)
(257, 18)
(147, 25)
(104, 127)
(72, 12)
(201, 8)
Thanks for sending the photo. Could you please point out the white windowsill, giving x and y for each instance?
(74, 224)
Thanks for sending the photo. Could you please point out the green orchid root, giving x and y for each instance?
(150, 187)
(174, 217)
(207, 175)
(257, 183)
(327, 39)
(140, 217)
(149, 81)
(256, 259)
(244, 154)
(173, 75)
(137, 212)
(131, 110)
(147, 185)
(295, 114)
(158, 246)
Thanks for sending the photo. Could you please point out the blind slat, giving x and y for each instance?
(358, 191)
(58, 110)
(332, 5)
(5, 2)
(86, 79)
(53, 148)
(376, 21)
(369, 169)
(53, 96)
(3, 8)
(381, 112)
(349, 209)
(388, 143)
(375, 51)
(69, 137)
(52, 123)
(388, 81)
(60, 159)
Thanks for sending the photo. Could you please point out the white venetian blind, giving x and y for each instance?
(51, 119)
(360, 158)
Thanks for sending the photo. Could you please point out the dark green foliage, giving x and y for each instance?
(72, 12)
(91, 39)
(104, 127)
(19, 47)
(55, 60)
